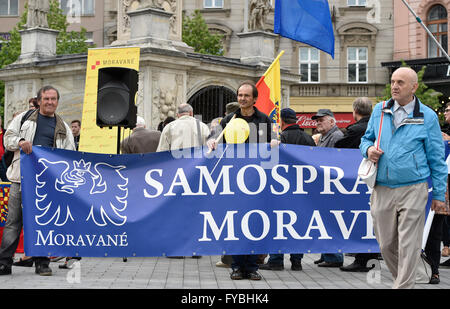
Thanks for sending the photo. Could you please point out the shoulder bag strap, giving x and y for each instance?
(381, 126)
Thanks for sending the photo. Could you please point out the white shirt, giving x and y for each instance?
(401, 112)
(182, 133)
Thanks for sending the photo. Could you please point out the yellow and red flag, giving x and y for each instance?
(269, 92)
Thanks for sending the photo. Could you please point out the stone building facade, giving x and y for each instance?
(311, 79)
(364, 39)
(414, 46)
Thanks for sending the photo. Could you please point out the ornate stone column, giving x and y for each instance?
(257, 47)
(150, 26)
(38, 41)
(37, 44)
(174, 7)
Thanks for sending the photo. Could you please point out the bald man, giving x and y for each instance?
(411, 150)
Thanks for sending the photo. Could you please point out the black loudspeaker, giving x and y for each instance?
(116, 94)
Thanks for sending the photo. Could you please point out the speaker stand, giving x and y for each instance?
(118, 140)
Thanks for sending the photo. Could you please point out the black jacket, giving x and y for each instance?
(352, 138)
(446, 128)
(260, 126)
(295, 135)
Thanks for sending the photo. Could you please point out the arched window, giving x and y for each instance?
(437, 23)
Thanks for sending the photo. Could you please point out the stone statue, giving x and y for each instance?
(44, 9)
(37, 13)
(259, 9)
(150, 3)
(32, 15)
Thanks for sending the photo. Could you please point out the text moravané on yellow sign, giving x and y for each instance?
(93, 138)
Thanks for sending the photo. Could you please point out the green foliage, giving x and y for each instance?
(66, 43)
(196, 34)
(426, 95)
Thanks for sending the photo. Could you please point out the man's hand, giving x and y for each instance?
(439, 206)
(26, 146)
(211, 143)
(374, 154)
(274, 143)
(446, 136)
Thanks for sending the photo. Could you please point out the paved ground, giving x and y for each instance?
(188, 273)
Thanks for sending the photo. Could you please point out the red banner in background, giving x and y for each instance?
(343, 120)
(4, 197)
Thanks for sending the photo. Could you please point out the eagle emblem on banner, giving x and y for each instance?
(72, 187)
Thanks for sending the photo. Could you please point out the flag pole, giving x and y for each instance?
(262, 79)
(427, 30)
(275, 61)
(270, 67)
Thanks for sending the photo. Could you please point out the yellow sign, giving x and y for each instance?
(93, 138)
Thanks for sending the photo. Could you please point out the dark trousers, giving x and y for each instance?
(13, 227)
(446, 231)
(3, 171)
(433, 247)
(227, 259)
(245, 263)
(278, 259)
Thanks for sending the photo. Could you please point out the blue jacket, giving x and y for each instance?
(412, 152)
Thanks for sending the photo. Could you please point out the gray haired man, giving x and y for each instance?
(185, 132)
(326, 125)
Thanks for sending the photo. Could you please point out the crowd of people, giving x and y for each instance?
(411, 150)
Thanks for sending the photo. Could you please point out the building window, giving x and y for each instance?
(78, 7)
(357, 64)
(437, 23)
(89, 38)
(309, 65)
(9, 7)
(213, 4)
(356, 2)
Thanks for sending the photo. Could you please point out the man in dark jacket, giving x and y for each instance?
(362, 108)
(142, 140)
(291, 134)
(245, 266)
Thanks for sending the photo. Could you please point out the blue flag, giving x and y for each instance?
(306, 21)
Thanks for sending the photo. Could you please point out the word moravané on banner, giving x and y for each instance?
(250, 200)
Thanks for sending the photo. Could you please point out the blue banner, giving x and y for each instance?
(244, 199)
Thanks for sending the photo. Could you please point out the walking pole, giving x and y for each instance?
(427, 30)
